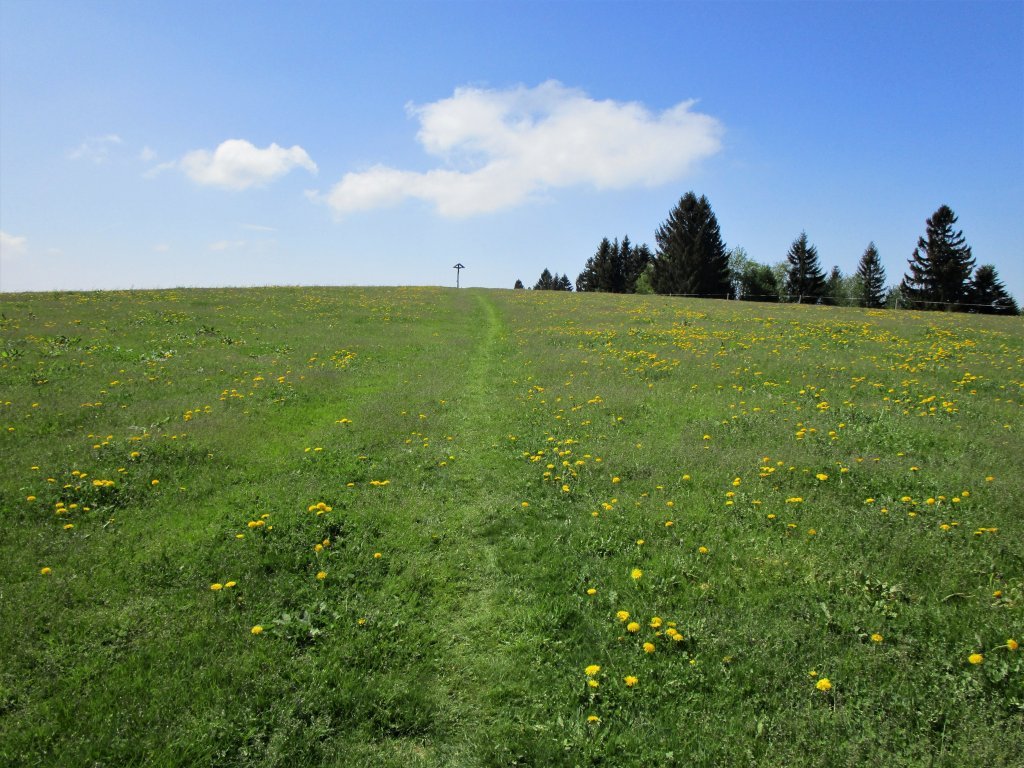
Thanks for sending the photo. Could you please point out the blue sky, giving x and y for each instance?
(227, 143)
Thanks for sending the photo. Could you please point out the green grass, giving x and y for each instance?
(504, 453)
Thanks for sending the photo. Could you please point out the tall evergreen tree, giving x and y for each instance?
(804, 278)
(758, 283)
(519, 285)
(940, 267)
(691, 256)
(988, 294)
(545, 282)
(614, 268)
(871, 277)
(835, 288)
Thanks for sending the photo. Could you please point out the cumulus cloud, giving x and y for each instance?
(500, 147)
(11, 245)
(96, 149)
(238, 164)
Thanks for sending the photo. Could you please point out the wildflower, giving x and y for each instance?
(630, 681)
(616, 480)
(46, 571)
(633, 627)
(703, 550)
(622, 615)
(592, 683)
(230, 584)
(257, 630)
(648, 647)
(876, 638)
(636, 573)
(30, 498)
(321, 575)
(822, 476)
(1012, 644)
(526, 504)
(824, 685)
(154, 481)
(377, 555)
(639, 542)
(216, 587)
(593, 719)
(565, 489)
(975, 658)
(591, 591)
(69, 526)
(592, 670)
(656, 622)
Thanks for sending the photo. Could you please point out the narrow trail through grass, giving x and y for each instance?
(474, 663)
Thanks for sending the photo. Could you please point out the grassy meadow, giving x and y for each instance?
(429, 527)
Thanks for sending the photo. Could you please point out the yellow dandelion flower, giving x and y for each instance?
(822, 476)
(45, 571)
(154, 481)
(824, 685)
(257, 630)
(321, 575)
(1012, 644)
(69, 526)
(592, 670)
(636, 573)
(593, 719)
(630, 681)
(975, 658)
(622, 615)
(592, 683)
(703, 550)
(216, 587)
(656, 622)
(377, 555)
(648, 647)
(591, 591)
(230, 584)
(876, 638)
(633, 627)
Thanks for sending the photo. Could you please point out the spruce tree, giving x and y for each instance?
(871, 277)
(835, 288)
(941, 265)
(519, 285)
(691, 256)
(988, 295)
(562, 283)
(804, 278)
(545, 282)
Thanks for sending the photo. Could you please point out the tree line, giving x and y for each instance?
(691, 260)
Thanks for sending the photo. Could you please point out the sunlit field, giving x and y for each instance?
(421, 526)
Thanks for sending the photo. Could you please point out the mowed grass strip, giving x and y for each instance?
(423, 526)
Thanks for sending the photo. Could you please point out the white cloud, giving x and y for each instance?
(96, 149)
(224, 245)
(238, 164)
(12, 246)
(161, 248)
(259, 228)
(500, 147)
(147, 154)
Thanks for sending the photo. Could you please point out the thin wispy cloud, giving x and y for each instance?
(226, 245)
(96, 150)
(499, 148)
(12, 246)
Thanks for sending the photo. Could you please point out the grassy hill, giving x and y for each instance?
(419, 526)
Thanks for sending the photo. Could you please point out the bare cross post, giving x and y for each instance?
(458, 271)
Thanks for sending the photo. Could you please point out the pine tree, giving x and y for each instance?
(989, 295)
(691, 256)
(545, 282)
(758, 283)
(835, 288)
(804, 278)
(871, 275)
(519, 285)
(614, 268)
(940, 267)
(562, 283)
(634, 261)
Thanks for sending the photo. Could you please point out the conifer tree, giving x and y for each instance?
(691, 257)
(545, 282)
(940, 267)
(804, 278)
(871, 277)
(614, 268)
(988, 295)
